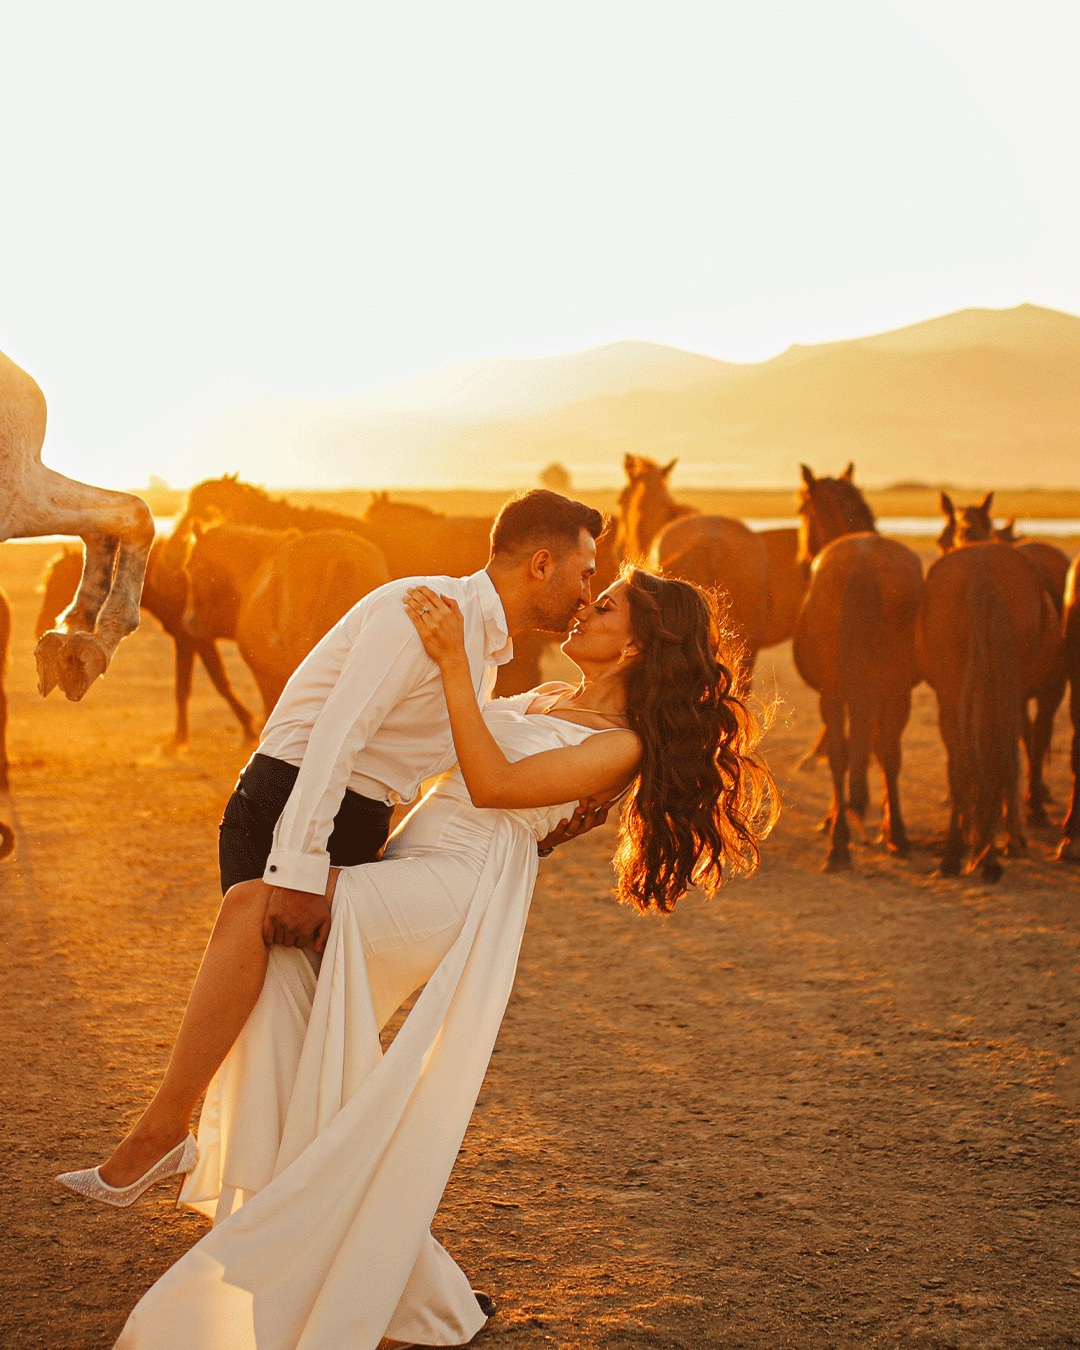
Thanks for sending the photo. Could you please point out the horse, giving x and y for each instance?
(1069, 849)
(414, 540)
(973, 524)
(164, 595)
(787, 583)
(987, 638)
(276, 592)
(117, 530)
(716, 552)
(854, 643)
(417, 541)
(7, 834)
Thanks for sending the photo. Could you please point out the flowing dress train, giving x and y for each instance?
(322, 1160)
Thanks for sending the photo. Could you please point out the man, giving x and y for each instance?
(362, 722)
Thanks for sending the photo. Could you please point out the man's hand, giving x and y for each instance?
(587, 815)
(297, 918)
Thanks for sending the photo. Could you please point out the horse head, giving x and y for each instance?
(966, 525)
(645, 506)
(829, 508)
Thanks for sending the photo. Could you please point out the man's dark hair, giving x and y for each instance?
(542, 519)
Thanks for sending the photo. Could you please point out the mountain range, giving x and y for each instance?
(978, 396)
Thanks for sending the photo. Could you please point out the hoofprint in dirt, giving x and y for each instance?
(817, 1111)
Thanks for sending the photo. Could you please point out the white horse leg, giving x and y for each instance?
(114, 526)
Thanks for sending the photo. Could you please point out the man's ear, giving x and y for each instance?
(986, 503)
(541, 564)
(668, 468)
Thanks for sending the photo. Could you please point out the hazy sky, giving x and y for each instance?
(211, 204)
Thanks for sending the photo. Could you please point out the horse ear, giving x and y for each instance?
(849, 472)
(197, 529)
(668, 468)
(986, 503)
(947, 508)
(807, 474)
(629, 463)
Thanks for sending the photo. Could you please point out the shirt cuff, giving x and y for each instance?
(298, 871)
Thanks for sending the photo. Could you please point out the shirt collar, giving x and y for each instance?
(498, 648)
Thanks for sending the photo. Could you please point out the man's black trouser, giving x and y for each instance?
(246, 831)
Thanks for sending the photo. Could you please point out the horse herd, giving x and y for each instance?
(993, 626)
(994, 623)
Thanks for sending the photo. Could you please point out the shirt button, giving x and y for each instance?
(273, 868)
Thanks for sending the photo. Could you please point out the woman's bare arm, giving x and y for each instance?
(600, 767)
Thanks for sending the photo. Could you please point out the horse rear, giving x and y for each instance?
(1069, 851)
(987, 639)
(297, 596)
(717, 552)
(855, 644)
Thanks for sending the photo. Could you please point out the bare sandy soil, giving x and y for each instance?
(817, 1111)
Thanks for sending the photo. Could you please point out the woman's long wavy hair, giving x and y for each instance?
(701, 803)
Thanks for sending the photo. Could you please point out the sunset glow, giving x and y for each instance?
(216, 213)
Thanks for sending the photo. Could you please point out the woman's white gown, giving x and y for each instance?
(321, 1160)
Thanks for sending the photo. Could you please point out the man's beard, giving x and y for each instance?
(560, 622)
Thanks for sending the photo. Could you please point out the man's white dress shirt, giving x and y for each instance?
(365, 710)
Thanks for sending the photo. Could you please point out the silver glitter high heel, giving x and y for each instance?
(176, 1162)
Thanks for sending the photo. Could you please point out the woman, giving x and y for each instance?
(321, 1160)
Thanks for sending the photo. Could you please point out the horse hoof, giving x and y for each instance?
(899, 848)
(949, 867)
(837, 862)
(7, 841)
(1068, 850)
(1037, 816)
(1016, 849)
(81, 659)
(992, 872)
(47, 656)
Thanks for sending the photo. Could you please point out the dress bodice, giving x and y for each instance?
(446, 818)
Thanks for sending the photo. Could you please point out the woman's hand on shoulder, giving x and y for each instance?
(439, 621)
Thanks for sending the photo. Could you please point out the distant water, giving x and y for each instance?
(930, 526)
(915, 526)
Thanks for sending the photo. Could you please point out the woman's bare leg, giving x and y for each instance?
(225, 991)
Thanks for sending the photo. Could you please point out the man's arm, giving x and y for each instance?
(387, 661)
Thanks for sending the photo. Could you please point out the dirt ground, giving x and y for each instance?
(815, 1111)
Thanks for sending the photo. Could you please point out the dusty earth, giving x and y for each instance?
(816, 1111)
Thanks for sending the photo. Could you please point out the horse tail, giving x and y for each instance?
(861, 648)
(991, 714)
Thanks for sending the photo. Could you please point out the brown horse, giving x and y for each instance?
(715, 552)
(309, 584)
(276, 592)
(787, 583)
(164, 595)
(417, 541)
(855, 644)
(1069, 851)
(7, 835)
(973, 524)
(987, 638)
